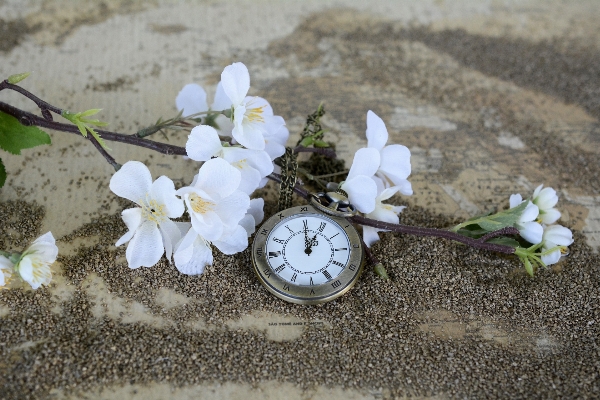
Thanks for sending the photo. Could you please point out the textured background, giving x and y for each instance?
(492, 98)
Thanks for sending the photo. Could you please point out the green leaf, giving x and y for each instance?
(502, 219)
(307, 141)
(321, 143)
(16, 78)
(14, 137)
(528, 267)
(505, 241)
(2, 174)
(89, 112)
(380, 270)
(479, 216)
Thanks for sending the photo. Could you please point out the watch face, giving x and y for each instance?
(307, 257)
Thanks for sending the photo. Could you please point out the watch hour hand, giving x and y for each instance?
(310, 243)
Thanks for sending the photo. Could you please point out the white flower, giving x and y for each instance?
(193, 252)
(555, 235)
(254, 216)
(6, 269)
(192, 99)
(275, 141)
(394, 160)
(151, 231)
(382, 212)
(359, 185)
(546, 199)
(204, 144)
(528, 228)
(213, 200)
(34, 264)
(252, 116)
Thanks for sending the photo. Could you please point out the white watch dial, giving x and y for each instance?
(309, 249)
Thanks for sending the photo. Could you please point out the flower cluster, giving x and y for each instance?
(537, 225)
(377, 173)
(33, 265)
(236, 147)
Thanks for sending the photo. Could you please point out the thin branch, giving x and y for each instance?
(332, 175)
(421, 231)
(110, 159)
(29, 119)
(39, 102)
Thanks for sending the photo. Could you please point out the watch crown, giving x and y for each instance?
(334, 203)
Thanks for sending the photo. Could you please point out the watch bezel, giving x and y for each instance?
(301, 294)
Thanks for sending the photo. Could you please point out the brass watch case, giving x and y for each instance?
(300, 294)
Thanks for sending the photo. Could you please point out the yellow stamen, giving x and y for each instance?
(41, 272)
(255, 114)
(152, 210)
(240, 164)
(199, 205)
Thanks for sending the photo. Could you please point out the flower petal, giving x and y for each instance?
(515, 200)
(146, 246)
(236, 82)
(530, 213)
(551, 258)
(170, 234)
(395, 162)
(163, 192)
(207, 225)
(222, 101)
(44, 247)
(370, 235)
(203, 143)
(362, 192)
(193, 254)
(248, 135)
(256, 209)
(377, 134)
(217, 176)
(249, 224)
(132, 181)
(531, 231)
(133, 219)
(5, 263)
(191, 99)
(366, 162)
(255, 102)
(546, 198)
(232, 208)
(384, 213)
(257, 159)
(558, 234)
(34, 273)
(550, 216)
(233, 241)
(275, 143)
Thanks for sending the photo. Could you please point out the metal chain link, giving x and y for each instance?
(289, 167)
(289, 162)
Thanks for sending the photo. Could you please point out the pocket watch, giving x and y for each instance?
(309, 254)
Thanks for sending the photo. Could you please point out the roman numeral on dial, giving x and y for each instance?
(322, 226)
(327, 274)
